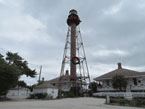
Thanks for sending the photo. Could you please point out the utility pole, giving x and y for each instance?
(40, 74)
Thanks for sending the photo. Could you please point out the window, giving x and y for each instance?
(139, 81)
(134, 81)
(107, 82)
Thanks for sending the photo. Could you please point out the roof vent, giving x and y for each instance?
(119, 66)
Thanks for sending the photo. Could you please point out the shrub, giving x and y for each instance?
(74, 92)
(99, 96)
(113, 100)
(122, 102)
(38, 96)
(138, 102)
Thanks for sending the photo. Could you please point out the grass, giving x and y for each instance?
(136, 102)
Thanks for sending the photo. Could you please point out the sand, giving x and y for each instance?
(68, 103)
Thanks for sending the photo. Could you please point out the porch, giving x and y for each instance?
(119, 94)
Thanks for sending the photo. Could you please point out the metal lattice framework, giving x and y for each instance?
(82, 72)
(74, 59)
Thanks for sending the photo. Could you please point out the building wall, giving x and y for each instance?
(106, 86)
(40, 90)
(140, 83)
(18, 93)
(53, 92)
(140, 86)
(67, 86)
(50, 91)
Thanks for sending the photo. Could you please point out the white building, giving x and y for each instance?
(48, 88)
(51, 87)
(135, 80)
(18, 92)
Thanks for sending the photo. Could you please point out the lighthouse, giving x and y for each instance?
(73, 21)
(74, 69)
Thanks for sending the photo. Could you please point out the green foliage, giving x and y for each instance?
(99, 96)
(11, 69)
(59, 94)
(120, 101)
(8, 76)
(119, 82)
(74, 92)
(138, 102)
(93, 87)
(90, 92)
(20, 64)
(38, 96)
(22, 84)
(32, 87)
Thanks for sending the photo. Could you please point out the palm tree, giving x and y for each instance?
(119, 82)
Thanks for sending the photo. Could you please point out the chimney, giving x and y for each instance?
(67, 72)
(119, 66)
(43, 79)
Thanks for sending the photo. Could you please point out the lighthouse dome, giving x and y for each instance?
(72, 12)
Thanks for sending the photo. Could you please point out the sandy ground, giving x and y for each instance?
(69, 103)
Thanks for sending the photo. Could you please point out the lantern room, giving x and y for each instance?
(73, 18)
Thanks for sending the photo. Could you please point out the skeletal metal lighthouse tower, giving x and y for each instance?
(74, 69)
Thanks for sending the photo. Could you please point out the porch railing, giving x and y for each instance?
(119, 94)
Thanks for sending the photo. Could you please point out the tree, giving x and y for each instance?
(8, 76)
(22, 84)
(11, 69)
(93, 86)
(119, 82)
(20, 63)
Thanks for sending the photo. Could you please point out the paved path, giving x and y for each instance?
(69, 103)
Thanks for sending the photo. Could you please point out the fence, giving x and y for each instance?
(120, 94)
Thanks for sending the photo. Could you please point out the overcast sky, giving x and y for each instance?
(113, 31)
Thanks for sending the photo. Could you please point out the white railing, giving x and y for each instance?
(139, 87)
(119, 94)
(106, 89)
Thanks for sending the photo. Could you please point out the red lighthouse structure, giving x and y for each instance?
(73, 20)
(74, 69)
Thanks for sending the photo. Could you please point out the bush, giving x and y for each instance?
(38, 96)
(99, 96)
(113, 100)
(74, 92)
(90, 93)
(123, 102)
(138, 102)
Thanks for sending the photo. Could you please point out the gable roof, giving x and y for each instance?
(120, 71)
(46, 84)
(55, 80)
(49, 83)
